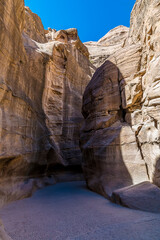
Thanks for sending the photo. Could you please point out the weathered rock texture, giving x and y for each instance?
(145, 30)
(120, 139)
(50, 34)
(33, 26)
(41, 86)
(107, 45)
(23, 132)
(143, 196)
(67, 74)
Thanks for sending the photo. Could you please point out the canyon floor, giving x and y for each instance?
(70, 211)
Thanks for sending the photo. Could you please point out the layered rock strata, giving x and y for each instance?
(23, 132)
(41, 86)
(120, 139)
(113, 41)
(145, 30)
(67, 74)
(33, 26)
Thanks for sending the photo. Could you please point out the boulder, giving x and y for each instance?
(144, 196)
(3, 234)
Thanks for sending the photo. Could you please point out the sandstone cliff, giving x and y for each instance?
(121, 135)
(41, 87)
(23, 134)
(67, 74)
(33, 26)
(107, 45)
(145, 30)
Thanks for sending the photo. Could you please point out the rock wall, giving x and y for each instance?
(67, 75)
(41, 86)
(107, 45)
(120, 139)
(145, 30)
(33, 26)
(23, 133)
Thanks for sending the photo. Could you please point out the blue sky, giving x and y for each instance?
(93, 19)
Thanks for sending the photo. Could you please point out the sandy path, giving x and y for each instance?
(69, 211)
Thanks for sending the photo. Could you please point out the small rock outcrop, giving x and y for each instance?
(120, 139)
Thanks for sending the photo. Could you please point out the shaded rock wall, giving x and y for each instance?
(120, 138)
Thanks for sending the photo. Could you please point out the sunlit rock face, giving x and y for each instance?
(120, 139)
(107, 45)
(41, 86)
(145, 30)
(33, 26)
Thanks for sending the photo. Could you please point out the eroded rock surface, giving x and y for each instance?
(145, 30)
(143, 196)
(67, 74)
(107, 45)
(120, 139)
(23, 134)
(33, 26)
(41, 87)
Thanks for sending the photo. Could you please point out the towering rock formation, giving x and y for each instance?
(67, 74)
(23, 133)
(120, 139)
(145, 30)
(41, 86)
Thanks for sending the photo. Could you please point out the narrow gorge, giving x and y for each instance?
(75, 112)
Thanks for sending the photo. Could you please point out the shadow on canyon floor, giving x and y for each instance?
(69, 211)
